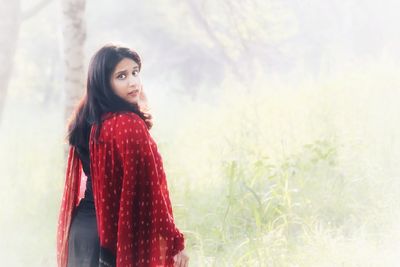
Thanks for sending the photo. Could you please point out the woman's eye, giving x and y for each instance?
(121, 76)
(135, 72)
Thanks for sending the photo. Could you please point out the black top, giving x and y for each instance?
(84, 242)
(83, 153)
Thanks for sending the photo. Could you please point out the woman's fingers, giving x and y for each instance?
(184, 260)
(178, 261)
(181, 259)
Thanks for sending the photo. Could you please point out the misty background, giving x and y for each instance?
(278, 122)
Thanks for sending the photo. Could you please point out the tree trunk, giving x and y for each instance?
(74, 36)
(9, 29)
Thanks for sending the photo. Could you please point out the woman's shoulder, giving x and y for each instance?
(122, 120)
(116, 114)
(120, 116)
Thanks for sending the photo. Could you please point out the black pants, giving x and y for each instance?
(83, 243)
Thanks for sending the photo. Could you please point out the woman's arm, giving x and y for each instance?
(145, 196)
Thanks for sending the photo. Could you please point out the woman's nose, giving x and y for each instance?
(133, 80)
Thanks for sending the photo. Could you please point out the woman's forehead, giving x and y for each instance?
(126, 64)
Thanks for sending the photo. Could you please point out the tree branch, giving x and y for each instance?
(34, 10)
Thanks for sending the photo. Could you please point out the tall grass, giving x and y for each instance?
(274, 174)
(296, 176)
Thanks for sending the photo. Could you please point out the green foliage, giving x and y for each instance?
(250, 192)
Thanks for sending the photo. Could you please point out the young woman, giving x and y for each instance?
(124, 215)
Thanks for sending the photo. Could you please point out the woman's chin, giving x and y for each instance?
(133, 102)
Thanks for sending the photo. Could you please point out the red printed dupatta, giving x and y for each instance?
(70, 201)
(133, 209)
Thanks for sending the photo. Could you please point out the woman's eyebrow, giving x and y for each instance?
(124, 70)
(119, 72)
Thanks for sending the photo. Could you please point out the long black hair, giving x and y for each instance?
(99, 97)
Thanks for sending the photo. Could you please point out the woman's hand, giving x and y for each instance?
(181, 259)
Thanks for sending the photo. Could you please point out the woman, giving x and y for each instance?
(124, 218)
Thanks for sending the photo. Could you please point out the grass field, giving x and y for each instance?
(275, 174)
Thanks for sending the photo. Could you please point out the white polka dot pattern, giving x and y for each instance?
(133, 207)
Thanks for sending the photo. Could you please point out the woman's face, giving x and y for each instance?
(125, 81)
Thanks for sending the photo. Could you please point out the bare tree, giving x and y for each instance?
(200, 18)
(9, 28)
(74, 34)
(11, 18)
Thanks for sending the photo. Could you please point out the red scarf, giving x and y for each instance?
(133, 209)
